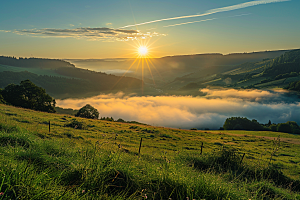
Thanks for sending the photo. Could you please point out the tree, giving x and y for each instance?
(28, 95)
(88, 111)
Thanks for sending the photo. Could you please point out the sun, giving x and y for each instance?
(143, 50)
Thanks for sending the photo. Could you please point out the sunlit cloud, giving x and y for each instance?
(88, 33)
(187, 112)
(212, 11)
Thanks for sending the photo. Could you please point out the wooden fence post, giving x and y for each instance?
(201, 148)
(140, 145)
(242, 158)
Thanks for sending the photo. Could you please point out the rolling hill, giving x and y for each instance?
(102, 160)
(62, 79)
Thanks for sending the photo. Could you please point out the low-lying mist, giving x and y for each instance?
(187, 112)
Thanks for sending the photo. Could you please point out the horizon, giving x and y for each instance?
(116, 29)
(193, 54)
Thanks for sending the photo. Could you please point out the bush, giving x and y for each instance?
(75, 124)
(88, 111)
(242, 123)
(120, 120)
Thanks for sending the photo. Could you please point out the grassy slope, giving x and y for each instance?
(69, 163)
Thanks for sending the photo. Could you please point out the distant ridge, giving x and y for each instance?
(34, 62)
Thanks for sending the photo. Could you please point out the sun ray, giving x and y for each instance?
(124, 74)
(143, 52)
(150, 71)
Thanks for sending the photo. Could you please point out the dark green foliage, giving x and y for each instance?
(28, 95)
(110, 119)
(88, 111)
(289, 127)
(224, 160)
(273, 127)
(242, 123)
(294, 86)
(79, 83)
(12, 140)
(120, 120)
(34, 62)
(75, 124)
(283, 127)
(229, 160)
(287, 63)
(73, 177)
(287, 75)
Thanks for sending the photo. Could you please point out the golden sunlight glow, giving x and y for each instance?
(143, 63)
(143, 50)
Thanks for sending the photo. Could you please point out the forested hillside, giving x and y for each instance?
(34, 62)
(69, 87)
(60, 78)
(287, 63)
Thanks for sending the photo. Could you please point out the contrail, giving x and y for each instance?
(213, 11)
(205, 20)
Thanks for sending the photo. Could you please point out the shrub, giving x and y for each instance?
(88, 111)
(75, 124)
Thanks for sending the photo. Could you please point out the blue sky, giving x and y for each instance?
(66, 29)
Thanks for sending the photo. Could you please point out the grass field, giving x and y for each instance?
(102, 160)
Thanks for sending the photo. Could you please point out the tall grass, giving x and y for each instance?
(62, 165)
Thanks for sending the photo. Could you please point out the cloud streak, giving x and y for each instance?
(204, 20)
(213, 11)
(88, 33)
(188, 112)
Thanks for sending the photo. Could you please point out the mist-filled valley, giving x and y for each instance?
(201, 112)
(189, 91)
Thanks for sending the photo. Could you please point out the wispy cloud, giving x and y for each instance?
(213, 11)
(204, 20)
(88, 33)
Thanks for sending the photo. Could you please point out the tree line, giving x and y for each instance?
(34, 62)
(71, 87)
(242, 123)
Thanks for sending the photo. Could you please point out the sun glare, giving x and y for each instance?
(143, 61)
(142, 50)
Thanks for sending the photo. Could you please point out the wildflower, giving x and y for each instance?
(83, 191)
(1, 193)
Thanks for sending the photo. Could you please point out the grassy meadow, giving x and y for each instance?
(96, 159)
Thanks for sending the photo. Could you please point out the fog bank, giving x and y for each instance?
(188, 112)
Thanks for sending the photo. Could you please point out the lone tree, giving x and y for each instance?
(88, 111)
(28, 95)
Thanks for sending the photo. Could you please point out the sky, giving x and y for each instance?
(114, 29)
